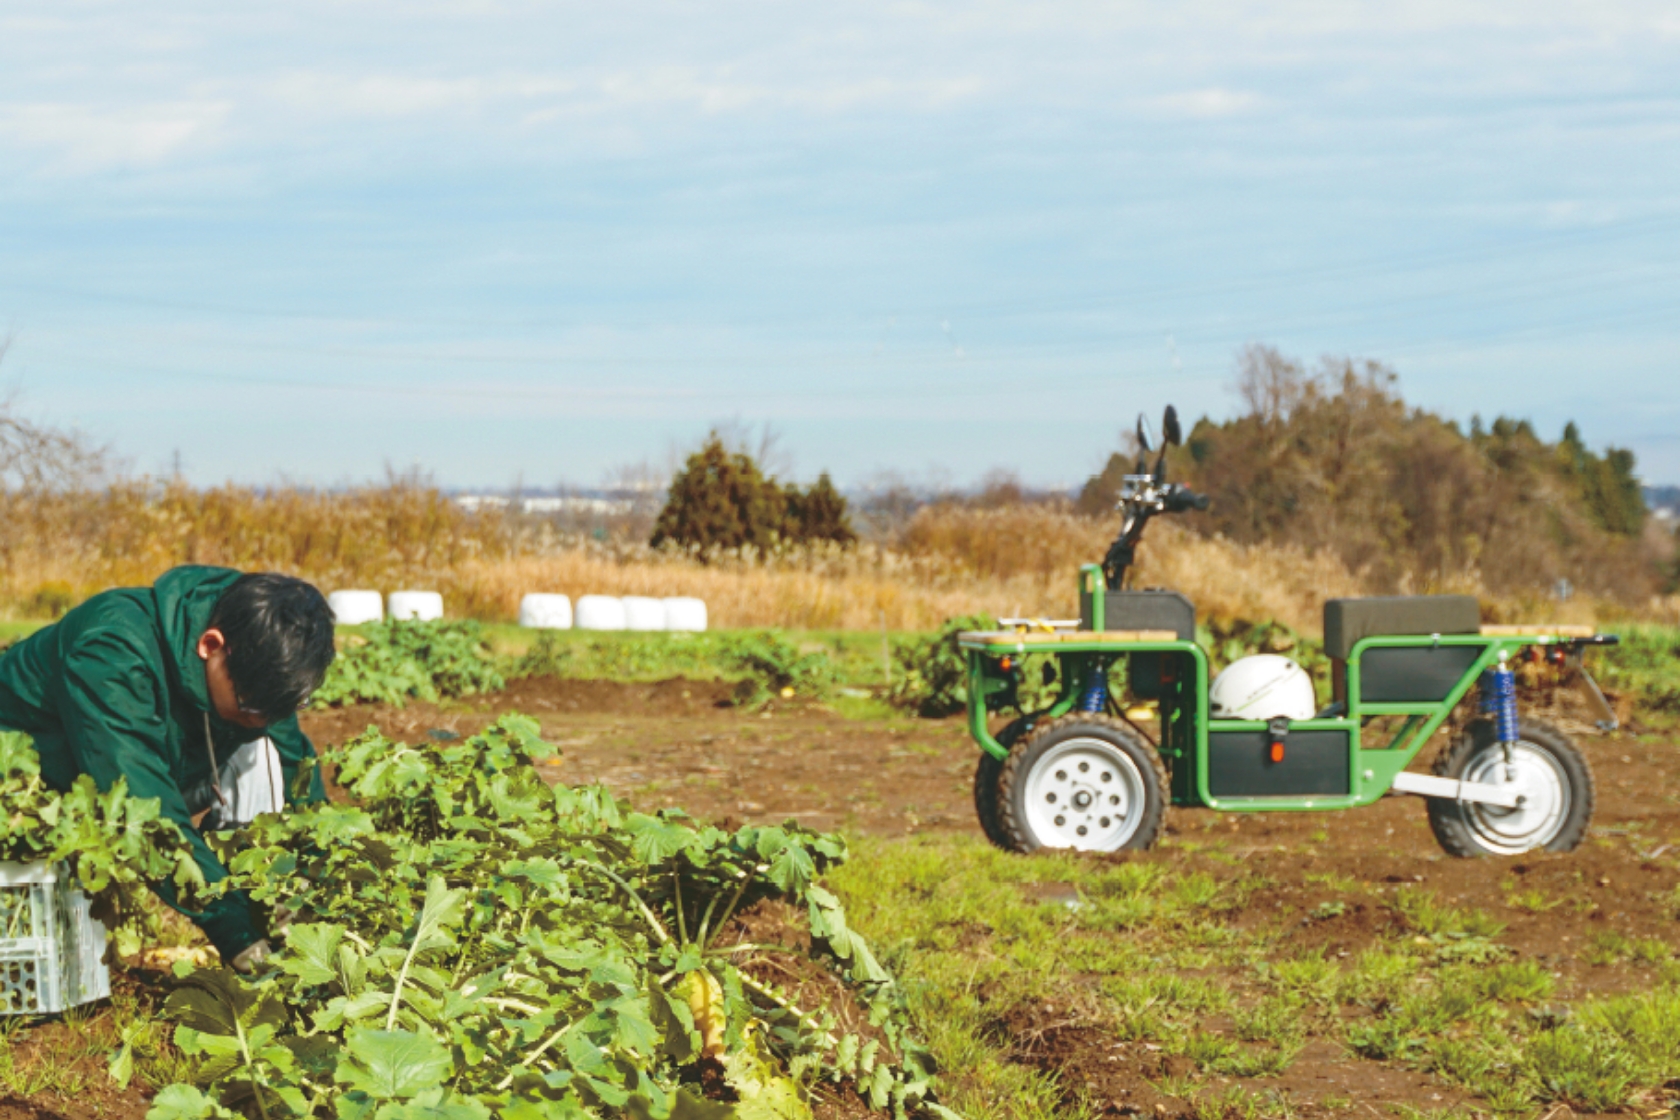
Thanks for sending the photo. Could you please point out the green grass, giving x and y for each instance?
(637, 656)
(12, 630)
(1151, 955)
(1645, 664)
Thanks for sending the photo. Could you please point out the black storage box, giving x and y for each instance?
(1315, 763)
(1143, 610)
(1346, 621)
(1413, 674)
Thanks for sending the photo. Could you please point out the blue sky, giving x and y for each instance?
(535, 242)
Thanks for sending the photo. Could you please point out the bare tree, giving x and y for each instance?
(37, 457)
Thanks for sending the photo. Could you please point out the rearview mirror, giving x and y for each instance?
(1170, 430)
(1145, 438)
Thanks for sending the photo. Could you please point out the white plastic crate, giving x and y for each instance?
(51, 948)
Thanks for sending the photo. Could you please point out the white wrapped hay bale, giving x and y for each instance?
(599, 612)
(643, 613)
(546, 612)
(352, 608)
(684, 613)
(416, 606)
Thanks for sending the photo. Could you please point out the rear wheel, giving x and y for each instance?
(1082, 781)
(1544, 767)
(986, 804)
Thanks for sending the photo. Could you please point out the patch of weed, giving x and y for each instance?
(1609, 947)
(1431, 919)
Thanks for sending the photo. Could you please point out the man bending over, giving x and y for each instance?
(180, 688)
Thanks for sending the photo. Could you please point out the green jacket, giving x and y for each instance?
(116, 689)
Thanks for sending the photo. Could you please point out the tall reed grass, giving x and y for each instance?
(56, 549)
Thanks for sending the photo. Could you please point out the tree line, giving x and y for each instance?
(1332, 457)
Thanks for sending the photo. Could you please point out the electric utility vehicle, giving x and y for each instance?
(1098, 768)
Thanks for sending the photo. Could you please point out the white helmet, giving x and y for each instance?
(1262, 687)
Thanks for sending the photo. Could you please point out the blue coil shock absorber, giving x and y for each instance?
(1094, 697)
(1499, 699)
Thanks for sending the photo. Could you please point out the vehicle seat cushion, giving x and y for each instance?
(1346, 621)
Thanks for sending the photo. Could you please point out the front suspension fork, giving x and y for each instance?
(1499, 699)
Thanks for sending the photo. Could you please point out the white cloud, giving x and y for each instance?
(84, 138)
(721, 93)
(1205, 103)
(397, 95)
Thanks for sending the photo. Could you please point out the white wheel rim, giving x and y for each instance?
(1084, 793)
(1535, 776)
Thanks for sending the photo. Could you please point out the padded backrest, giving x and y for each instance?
(1346, 621)
(1150, 610)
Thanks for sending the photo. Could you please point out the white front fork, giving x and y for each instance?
(1451, 789)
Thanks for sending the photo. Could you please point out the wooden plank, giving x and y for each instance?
(1043, 638)
(1561, 630)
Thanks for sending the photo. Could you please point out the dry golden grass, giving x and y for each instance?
(952, 560)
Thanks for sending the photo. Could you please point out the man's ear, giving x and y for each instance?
(209, 642)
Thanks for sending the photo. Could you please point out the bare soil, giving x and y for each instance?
(681, 744)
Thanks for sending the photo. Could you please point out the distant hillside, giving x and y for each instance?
(1333, 460)
(1663, 501)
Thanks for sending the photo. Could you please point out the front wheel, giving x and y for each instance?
(1543, 766)
(986, 772)
(1083, 781)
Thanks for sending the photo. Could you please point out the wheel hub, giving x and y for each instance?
(1542, 791)
(1084, 793)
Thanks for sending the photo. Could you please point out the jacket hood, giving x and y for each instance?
(186, 598)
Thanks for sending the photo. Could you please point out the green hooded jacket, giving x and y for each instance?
(116, 689)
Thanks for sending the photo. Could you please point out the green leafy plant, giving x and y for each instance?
(116, 844)
(932, 675)
(770, 664)
(468, 942)
(394, 662)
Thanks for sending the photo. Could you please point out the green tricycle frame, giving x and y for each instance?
(1085, 773)
(1193, 746)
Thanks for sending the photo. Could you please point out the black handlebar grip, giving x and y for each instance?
(1182, 499)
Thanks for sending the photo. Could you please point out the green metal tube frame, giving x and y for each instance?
(1372, 770)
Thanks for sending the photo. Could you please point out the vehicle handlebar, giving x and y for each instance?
(1182, 499)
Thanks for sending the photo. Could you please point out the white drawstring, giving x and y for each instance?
(215, 775)
(271, 756)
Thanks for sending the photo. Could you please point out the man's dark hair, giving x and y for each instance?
(279, 633)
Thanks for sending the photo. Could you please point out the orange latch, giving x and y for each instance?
(1278, 728)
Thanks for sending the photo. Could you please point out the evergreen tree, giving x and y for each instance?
(1607, 485)
(1102, 490)
(819, 514)
(720, 499)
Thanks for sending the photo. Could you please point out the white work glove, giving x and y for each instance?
(281, 920)
(251, 956)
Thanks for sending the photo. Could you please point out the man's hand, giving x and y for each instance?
(281, 920)
(251, 957)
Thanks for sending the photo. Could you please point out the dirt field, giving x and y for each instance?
(677, 744)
